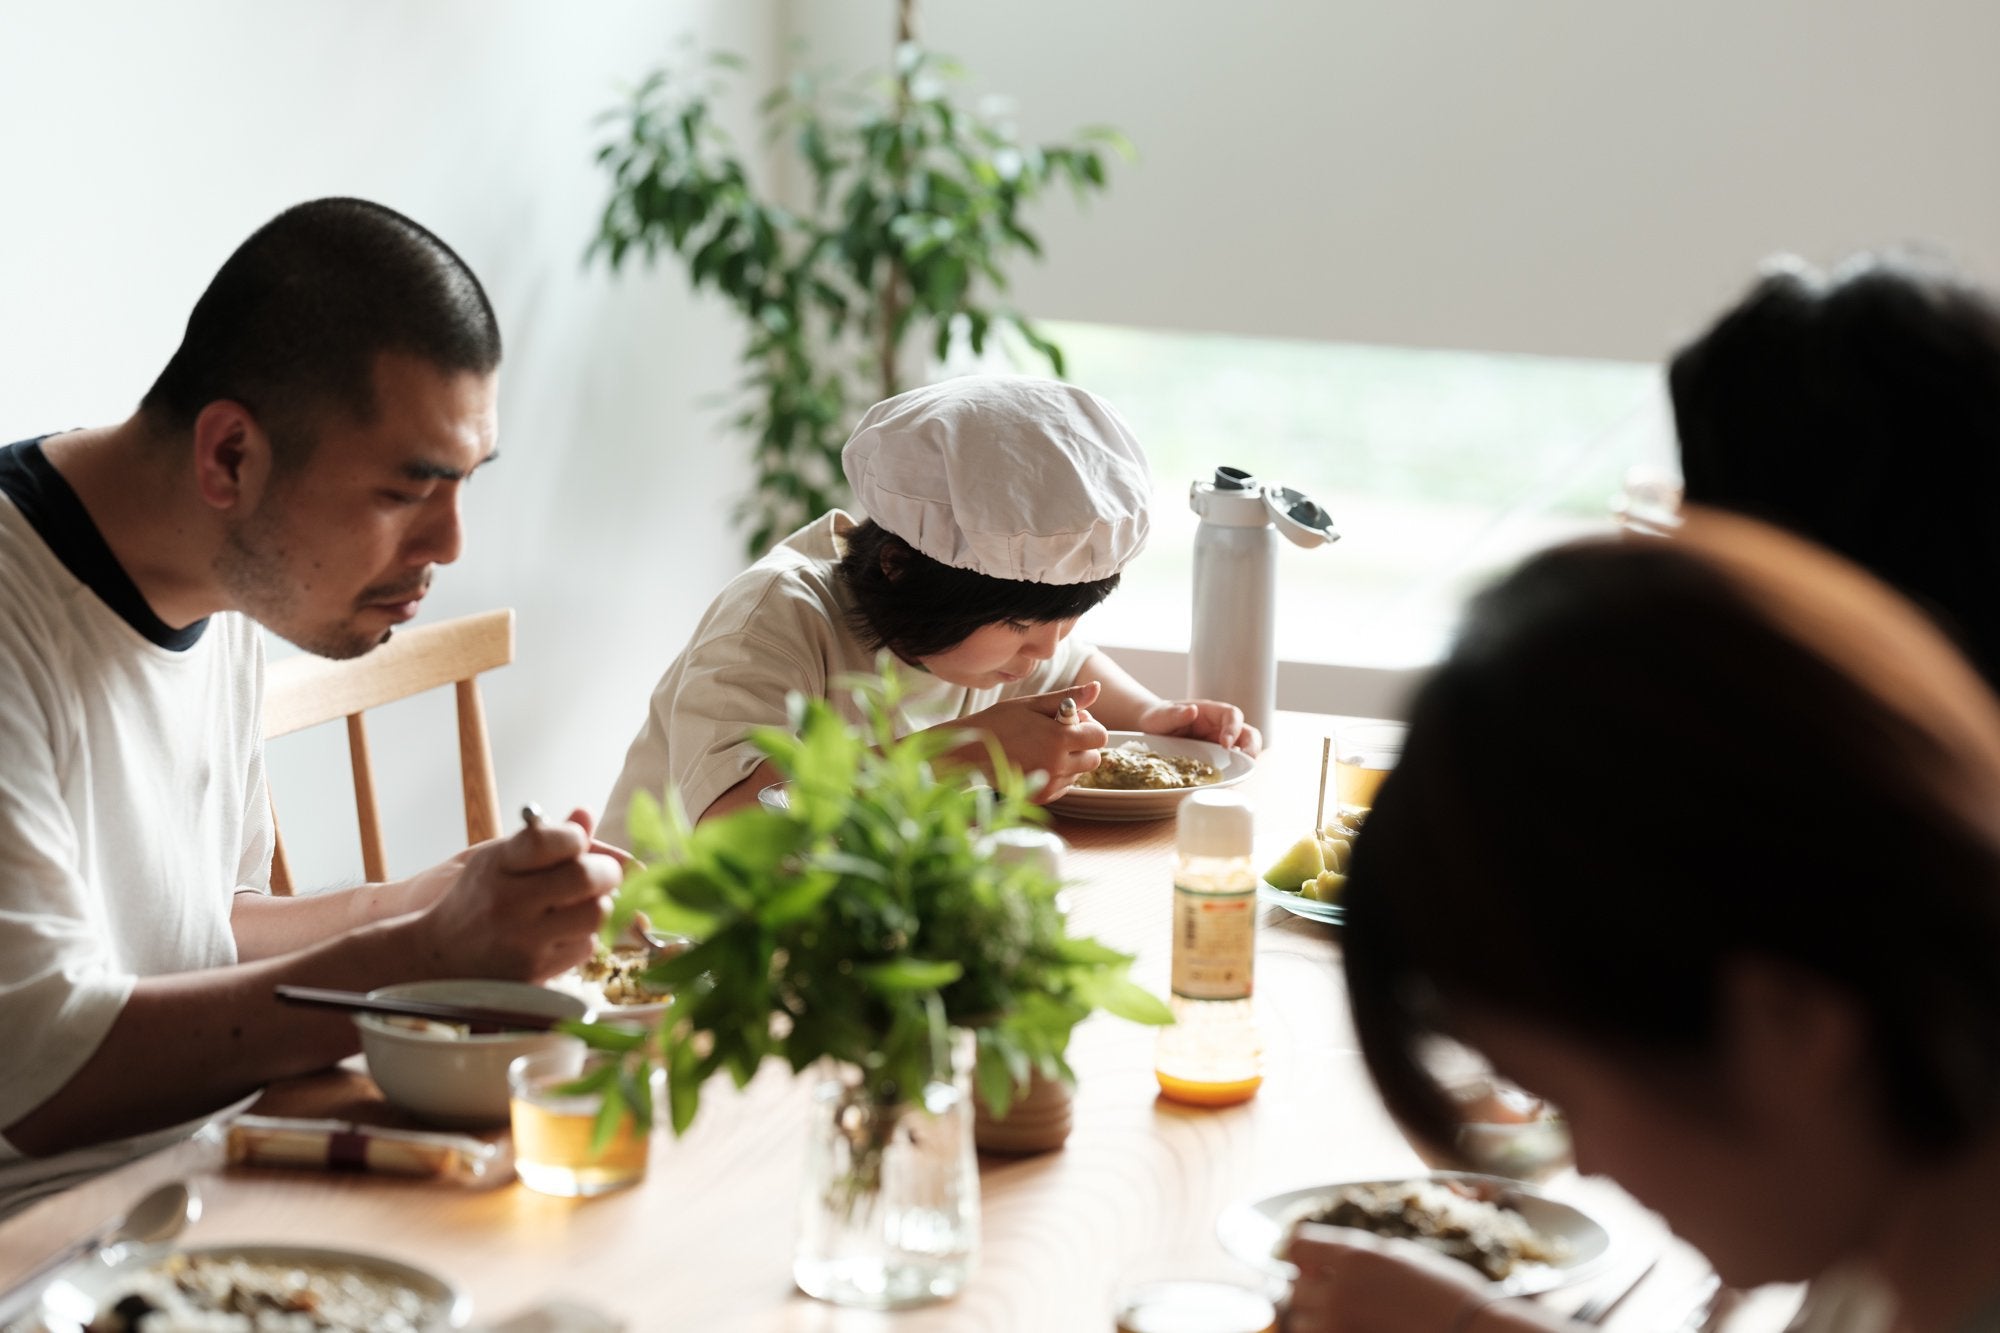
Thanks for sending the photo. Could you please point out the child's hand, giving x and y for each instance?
(1203, 719)
(1035, 737)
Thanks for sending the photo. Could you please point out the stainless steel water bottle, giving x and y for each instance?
(1233, 654)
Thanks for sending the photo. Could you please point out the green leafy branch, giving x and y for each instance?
(916, 204)
(863, 923)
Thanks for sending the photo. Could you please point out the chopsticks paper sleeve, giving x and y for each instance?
(340, 1145)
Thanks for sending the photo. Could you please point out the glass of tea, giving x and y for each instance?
(1364, 753)
(555, 1119)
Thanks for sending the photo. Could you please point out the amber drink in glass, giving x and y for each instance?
(554, 1127)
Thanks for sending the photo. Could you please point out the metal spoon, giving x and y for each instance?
(1598, 1308)
(159, 1216)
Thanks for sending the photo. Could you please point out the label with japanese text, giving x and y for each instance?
(1215, 944)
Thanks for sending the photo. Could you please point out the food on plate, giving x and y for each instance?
(220, 1294)
(1135, 766)
(1301, 861)
(621, 975)
(617, 977)
(1317, 865)
(1462, 1219)
(427, 1027)
(1336, 843)
(1324, 887)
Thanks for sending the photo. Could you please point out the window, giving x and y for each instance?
(1440, 469)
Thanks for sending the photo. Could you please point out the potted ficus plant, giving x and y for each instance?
(914, 206)
(866, 931)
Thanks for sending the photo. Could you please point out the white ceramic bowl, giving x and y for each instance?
(453, 1079)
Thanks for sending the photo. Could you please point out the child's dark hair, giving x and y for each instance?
(1861, 409)
(916, 606)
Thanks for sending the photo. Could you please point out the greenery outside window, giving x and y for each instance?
(1441, 468)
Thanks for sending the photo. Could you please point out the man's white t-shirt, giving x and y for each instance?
(779, 626)
(132, 801)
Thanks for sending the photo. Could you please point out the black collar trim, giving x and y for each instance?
(52, 508)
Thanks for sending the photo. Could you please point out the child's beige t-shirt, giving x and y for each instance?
(779, 626)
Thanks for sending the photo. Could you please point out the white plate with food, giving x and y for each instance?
(1295, 902)
(1308, 879)
(1147, 777)
(1520, 1240)
(345, 1291)
(612, 982)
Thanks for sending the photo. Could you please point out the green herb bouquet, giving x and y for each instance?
(861, 925)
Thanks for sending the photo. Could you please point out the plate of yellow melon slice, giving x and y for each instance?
(1306, 881)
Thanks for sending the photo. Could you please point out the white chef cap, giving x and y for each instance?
(1011, 477)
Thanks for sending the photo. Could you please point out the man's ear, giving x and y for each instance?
(232, 456)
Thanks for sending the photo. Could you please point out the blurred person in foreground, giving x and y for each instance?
(1699, 838)
(299, 465)
(1860, 408)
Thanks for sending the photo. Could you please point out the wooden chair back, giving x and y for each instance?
(305, 691)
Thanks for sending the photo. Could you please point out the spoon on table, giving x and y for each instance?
(159, 1216)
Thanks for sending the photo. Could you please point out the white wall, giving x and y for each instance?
(1564, 177)
(1559, 176)
(140, 142)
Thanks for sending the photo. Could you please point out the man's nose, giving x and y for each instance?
(442, 538)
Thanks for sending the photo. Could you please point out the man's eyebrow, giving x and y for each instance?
(420, 469)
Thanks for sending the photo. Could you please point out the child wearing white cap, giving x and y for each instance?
(999, 510)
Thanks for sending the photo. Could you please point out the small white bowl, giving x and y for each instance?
(456, 1079)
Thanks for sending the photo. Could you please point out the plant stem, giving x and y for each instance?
(890, 305)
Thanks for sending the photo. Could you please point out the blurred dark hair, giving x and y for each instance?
(1861, 409)
(292, 323)
(916, 606)
(1647, 758)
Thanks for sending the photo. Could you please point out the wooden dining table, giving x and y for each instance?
(705, 1241)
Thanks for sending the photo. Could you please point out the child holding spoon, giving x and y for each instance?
(999, 510)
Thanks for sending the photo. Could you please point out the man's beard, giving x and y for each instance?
(252, 568)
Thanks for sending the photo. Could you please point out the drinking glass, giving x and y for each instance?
(1185, 1293)
(1364, 753)
(553, 1126)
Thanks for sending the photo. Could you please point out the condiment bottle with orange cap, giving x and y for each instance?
(1212, 1055)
